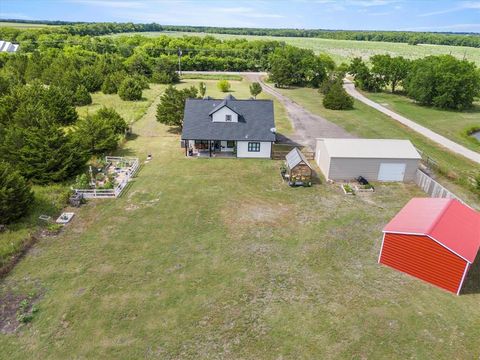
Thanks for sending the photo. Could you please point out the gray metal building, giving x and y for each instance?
(374, 159)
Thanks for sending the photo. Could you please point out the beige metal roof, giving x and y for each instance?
(371, 148)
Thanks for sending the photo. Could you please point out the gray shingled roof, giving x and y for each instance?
(255, 120)
(295, 157)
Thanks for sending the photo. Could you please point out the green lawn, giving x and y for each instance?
(369, 123)
(51, 199)
(452, 124)
(217, 258)
(345, 50)
(131, 111)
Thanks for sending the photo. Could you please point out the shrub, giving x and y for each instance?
(223, 85)
(110, 85)
(337, 98)
(255, 89)
(16, 195)
(82, 96)
(130, 90)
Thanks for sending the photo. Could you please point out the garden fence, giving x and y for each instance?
(433, 188)
(115, 192)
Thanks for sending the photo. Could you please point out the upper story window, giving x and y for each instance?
(228, 117)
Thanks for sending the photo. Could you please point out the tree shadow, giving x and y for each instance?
(125, 152)
(176, 130)
(131, 136)
(471, 284)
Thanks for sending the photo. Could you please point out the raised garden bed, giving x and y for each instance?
(347, 189)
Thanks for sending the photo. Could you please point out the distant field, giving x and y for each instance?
(24, 25)
(343, 50)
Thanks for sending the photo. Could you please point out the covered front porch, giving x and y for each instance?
(211, 148)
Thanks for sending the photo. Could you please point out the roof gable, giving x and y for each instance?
(447, 221)
(295, 157)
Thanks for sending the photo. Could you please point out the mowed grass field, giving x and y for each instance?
(451, 124)
(367, 122)
(23, 25)
(218, 258)
(345, 50)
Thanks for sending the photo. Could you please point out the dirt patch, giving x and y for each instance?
(16, 310)
(258, 213)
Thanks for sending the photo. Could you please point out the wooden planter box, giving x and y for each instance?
(342, 186)
(362, 189)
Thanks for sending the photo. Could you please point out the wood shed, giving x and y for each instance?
(298, 169)
(433, 239)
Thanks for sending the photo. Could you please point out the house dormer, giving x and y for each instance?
(224, 112)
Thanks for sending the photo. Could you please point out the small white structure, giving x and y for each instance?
(7, 46)
(374, 159)
(65, 218)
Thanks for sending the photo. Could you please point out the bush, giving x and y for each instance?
(82, 96)
(130, 90)
(223, 85)
(110, 85)
(16, 196)
(337, 98)
(82, 182)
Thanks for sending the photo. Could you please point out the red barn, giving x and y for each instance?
(433, 239)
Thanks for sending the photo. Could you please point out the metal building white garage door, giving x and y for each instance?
(391, 172)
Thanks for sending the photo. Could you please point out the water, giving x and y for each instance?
(476, 135)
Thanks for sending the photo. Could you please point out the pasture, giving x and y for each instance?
(345, 50)
(218, 258)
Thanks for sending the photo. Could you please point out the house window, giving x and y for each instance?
(230, 144)
(228, 117)
(253, 147)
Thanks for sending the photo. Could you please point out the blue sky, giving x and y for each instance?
(421, 15)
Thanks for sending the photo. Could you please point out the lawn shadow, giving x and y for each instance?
(472, 281)
(131, 136)
(125, 152)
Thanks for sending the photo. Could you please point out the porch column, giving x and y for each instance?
(186, 150)
(210, 148)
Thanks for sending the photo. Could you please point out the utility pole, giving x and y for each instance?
(179, 62)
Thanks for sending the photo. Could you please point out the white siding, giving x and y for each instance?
(322, 158)
(349, 169)
(219, 116)
(265, 150)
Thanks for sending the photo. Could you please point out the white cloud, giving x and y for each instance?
(466, 5)
(111, 3)
(14, 15)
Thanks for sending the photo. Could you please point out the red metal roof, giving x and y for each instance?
(449, 222)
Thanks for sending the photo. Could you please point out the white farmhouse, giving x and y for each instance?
(6, 46)
(228, 127)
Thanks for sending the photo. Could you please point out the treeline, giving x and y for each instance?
(441, 81)
(413, 38)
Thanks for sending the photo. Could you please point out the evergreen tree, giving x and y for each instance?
(172, 105)
(100, 133)
(42, 152)
(82, 96)
(16, 196)
(337, 98)
(130, 90)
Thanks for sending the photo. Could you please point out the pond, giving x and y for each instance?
(476, 135)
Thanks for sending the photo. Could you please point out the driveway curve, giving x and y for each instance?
(307, 125)
(439, 139)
